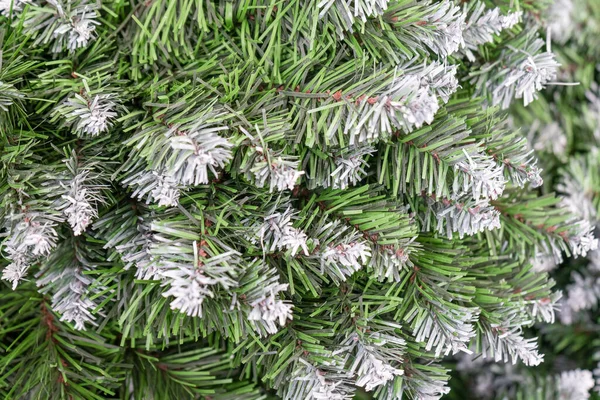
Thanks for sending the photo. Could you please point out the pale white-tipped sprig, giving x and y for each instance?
(526, 78)
(82, 29)
(346, 257)
(409, 101)
(279, 174)
(197, 152)
(508, 344)
(348, 11)
(351, 168)
(74, 293)
(582, 239)
(575, 384)
(294, 240)
(373, 359)
(482, 24)
(39, 238)
(387, 263)
(155, 186)
(449, 23)
(80, 211)
(277, 233)
(534, 176)
(90, 116)
(135, 249)
(80, 201)
(16, 271)
(70, 296)
(166, 191)
(311, 383)
(66, 25)
(479, 175)
(263, 300)
(373, 373)
(440, 79)
(273, 230)
(271, 310)
(519, 73)
(189, 287)
(77, 27)
(420, 109)
(449, 335)
(465, 218)
(544, 309)
(32, 237)
(192, 279)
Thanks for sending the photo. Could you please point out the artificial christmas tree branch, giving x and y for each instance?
(258, 199)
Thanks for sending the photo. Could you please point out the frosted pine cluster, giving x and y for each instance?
(302, 199)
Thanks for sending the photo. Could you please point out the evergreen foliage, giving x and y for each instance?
(295, 199)
(562, 128)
